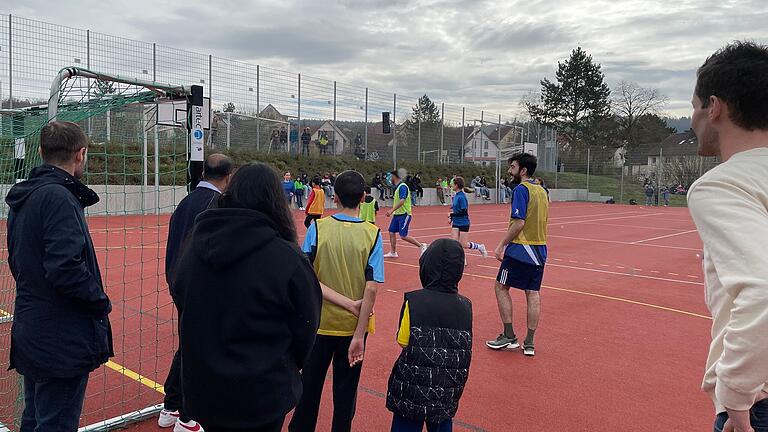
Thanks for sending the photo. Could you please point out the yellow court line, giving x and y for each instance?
(623, 300)
(141, 379)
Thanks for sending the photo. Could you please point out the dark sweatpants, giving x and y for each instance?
(328, 349)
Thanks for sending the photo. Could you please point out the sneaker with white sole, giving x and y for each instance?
(190, 426)
(391, 255)
(167, 418)
(502, 342)
(424, 247)
(483, 250)
(528, 350)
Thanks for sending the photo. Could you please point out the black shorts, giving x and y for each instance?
(310, 218)
(517, 274)
(464, 228)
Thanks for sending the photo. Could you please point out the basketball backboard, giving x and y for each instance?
(174, 113)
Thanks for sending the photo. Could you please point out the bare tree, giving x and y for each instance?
(631, 103)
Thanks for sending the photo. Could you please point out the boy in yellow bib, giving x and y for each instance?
(348, 258)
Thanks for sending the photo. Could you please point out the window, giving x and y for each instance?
(486, 145)
(485, 154)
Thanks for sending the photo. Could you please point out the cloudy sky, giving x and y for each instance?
(480, 53)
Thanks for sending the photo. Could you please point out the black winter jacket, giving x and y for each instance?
(250, 308)
(429, 376)
(60, 325)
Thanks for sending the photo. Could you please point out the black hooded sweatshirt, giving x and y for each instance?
(250, 308)
(429, 376)
(60, 325)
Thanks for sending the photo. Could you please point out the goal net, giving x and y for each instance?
(139, 170)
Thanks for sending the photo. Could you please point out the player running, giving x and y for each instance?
(460, 218)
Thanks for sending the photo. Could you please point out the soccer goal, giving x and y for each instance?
(145, 149)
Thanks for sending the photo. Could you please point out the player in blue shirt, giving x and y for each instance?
(460, 218)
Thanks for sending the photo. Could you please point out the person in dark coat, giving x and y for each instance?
(435, 332)
(250, 308)
(61, 330)
(217, 172)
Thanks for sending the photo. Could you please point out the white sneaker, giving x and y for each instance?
(190, 426)
(424, 247)
(167, 418)
(391, 255)
(301, 208)
(483, 250)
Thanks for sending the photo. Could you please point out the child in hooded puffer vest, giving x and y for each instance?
(436, 335)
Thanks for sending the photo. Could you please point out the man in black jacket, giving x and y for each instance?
(61, 331)
(216, 175)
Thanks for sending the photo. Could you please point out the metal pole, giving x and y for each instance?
(621, 194)
(366, 122)
(661, 176)
(442, 131)
(157, 137)
(557, 158)
(394, 131)
(418, 146)
(210, 76)
(10, 62)
(88, 65)
(229, 127)
(298, 120)
(144, 160)
(588, 157)
(498, 163)
(463, 135)
(258, 110)
(334, 103)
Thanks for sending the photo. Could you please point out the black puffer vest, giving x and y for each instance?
(429, 376)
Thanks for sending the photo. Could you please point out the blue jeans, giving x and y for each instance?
(758, 417)
(402, 424)
(53, 404)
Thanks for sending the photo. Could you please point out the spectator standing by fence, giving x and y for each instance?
(306, 137)
(61, 330)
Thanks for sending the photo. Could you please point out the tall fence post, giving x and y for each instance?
(442, 132)
(589, 154)
(10, 61)
(418, 146)
(157, 136)
(335, 141)
(462, 150)
(210, 77)
(229, 130)
(498, 162)
(258, 108)
(661, 176)
(299, 145)
(394, 130)
(88, 65)
(621, 193)
(366, 122)
(557, 157)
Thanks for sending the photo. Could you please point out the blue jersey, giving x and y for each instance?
(460, 210)
(529, 254)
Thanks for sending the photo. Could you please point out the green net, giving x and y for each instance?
(139, 170)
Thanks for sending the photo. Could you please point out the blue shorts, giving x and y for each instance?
(461, 228)
(517, 274)
(400, 224)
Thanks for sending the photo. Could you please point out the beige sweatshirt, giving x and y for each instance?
(729, 205)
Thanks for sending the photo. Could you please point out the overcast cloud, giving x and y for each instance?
(480, 53)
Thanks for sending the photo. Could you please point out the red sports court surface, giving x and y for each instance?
(621, 344)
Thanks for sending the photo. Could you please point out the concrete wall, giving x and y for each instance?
(120, 200)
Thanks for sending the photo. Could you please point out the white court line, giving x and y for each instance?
(550, 222)
(663, 237)
(615, 273)
(624, 243)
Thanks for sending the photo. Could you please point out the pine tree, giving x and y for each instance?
(577, 102)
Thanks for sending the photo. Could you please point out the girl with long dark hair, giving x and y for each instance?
(251, 308)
